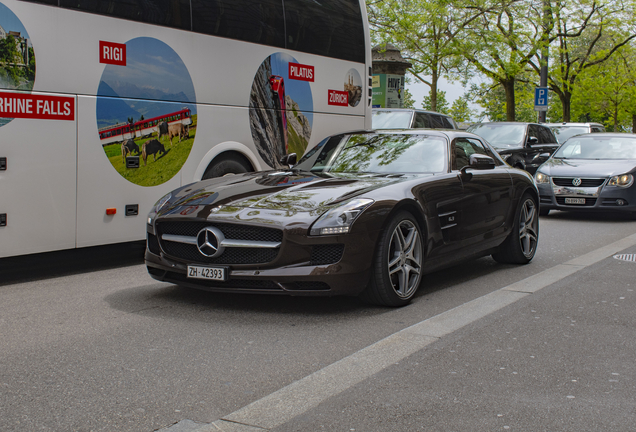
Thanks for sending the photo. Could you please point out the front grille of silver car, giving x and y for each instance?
(585, 182)
(243, 255)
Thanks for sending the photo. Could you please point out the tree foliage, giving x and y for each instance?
(506, 42)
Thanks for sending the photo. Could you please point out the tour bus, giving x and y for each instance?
(106, 105)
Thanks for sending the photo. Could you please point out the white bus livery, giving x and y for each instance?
(106, 105)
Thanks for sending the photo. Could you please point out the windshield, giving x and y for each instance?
(562, 133)
(591, 147)
(384, 153)
(391, 119)
(501, 136)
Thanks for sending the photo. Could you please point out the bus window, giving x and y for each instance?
(257, 21)
(317, 28)
(169, 13)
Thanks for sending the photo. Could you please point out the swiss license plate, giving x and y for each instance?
(575, 200)
(213, 273)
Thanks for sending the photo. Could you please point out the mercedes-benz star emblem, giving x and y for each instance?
(576, 182)
(209, 242)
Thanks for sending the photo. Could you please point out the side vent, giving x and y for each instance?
(132, 161)
(132, 209)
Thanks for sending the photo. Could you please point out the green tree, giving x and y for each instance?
(408, 101)
(424, 31)
(442, 103)
(586, 34)
(460, 110)
(605, 92)
(502, 42)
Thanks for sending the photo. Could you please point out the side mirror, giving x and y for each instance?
(289, 159)
(479, 162)
(533, 140)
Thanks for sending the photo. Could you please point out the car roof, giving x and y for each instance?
(410, 110)
(573, 124)
(507, 123)
(451, 134)
(608, 135)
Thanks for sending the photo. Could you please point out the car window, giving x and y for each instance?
(447, 123)
(546, 136)
(391, 119)
(462, 148)
(591, 147)
(422, 120)
(533, 131)
(436, 122)
(501, 136)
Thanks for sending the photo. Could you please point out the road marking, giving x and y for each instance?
(307, 393)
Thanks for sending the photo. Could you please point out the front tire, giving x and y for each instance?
(397, 270)
(521, 244)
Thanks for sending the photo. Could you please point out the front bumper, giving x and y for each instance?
(596, 198)
(304, 266)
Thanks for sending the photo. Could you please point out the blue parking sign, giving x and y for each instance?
(541, 99)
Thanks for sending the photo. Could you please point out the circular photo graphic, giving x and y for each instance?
(353, 85)
(281, 110)
(17, 59)
(146, 113)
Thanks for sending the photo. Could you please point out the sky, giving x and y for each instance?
(453, 91)
(10, 22)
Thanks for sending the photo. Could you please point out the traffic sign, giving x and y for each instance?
(541, 99)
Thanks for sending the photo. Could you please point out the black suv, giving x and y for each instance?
(404, 118)
(522, 145)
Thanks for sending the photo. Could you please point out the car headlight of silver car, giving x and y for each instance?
(158, 205)
(339, 219)
(539, 177)
(623, 180)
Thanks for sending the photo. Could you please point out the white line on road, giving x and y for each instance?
(307, 393)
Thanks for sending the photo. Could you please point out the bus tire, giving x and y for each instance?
(227, 163)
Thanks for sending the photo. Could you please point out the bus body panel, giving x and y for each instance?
(62, 176)
(37, 190)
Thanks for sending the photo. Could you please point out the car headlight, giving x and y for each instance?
(158, 205)
(623, 180)
(541, 178)
(338, 220)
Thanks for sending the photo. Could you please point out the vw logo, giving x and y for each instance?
(209, 241)
(576, 182)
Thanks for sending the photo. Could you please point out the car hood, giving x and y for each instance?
(586, 167)
(277, 190)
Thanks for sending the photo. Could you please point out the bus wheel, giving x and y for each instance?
(224, 164)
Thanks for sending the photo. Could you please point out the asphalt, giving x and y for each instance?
(554, 352)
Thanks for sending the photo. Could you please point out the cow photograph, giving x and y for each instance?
(153, 118)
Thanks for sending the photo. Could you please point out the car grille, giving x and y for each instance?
(589, 202)
(230, 231)
(231, 255)
(585, 182)
(153, 244)
(326, 254)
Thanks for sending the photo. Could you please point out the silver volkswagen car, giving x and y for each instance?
(590, 172)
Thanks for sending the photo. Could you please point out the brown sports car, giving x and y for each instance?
(362, 213)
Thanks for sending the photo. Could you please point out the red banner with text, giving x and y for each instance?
(23, 105)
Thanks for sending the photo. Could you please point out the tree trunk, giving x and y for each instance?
(434, 79)
(566, 102)
(509, 87)
(633, 123)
